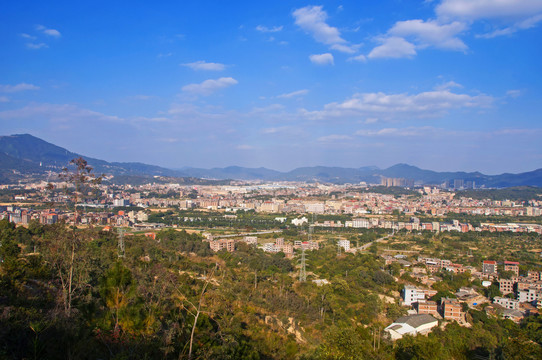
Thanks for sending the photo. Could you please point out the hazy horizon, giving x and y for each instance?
(449, 85)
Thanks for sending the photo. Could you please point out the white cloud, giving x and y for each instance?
(360, 58)
(312, 19)
(29, 37)
(403, 132)
(203, 65)
(521, 25)
(343, 48)
(487, 9)
(322, 59)
(397, 106)
(393, 47)
(517, 15)
(18, 87)
(56, 113)
(48, 32)
(4, 99)
(334, 138)
(431, 33)
(448, 85)
(293, 94)
(36, 46)
(142, 97)
(245, 147)
(266, 29)
(209, 86)
(513, 93)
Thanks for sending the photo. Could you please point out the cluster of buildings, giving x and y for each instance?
(521, 295)
(279, 245)
(23, 216)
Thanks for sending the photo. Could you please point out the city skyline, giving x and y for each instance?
(442, 85)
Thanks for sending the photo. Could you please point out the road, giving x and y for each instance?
(366, 246)
(252, 233)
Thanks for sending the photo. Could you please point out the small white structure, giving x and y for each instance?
(345, 244)
(299, 222)
(411, 325)
(412, 294)
(506, 303)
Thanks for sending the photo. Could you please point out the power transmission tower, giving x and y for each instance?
(121, 241)
(303, 269)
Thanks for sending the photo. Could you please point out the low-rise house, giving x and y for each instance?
(512, 266)
(451, 309)
(427, 307)
(506, 286)
(411, 325)
(529, 295)
(506, 302)
(512, 314)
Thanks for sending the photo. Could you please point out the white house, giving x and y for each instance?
(345, 244)
(411, 325)
(412, 294)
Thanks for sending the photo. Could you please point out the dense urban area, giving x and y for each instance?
(249, 269)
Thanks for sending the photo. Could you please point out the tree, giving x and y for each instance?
(116, 288)
(79, 174)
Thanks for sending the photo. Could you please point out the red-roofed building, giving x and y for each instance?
(512, 266)
(489, 267)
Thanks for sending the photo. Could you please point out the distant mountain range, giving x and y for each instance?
(26, 155)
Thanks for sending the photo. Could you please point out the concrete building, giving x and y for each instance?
(529, 295)
(412, 294)
(427, 307)
(345, 244)
(451, 309)
(221, 244)
(506, 286)
(512, 266)
(489, 267)
(411, 325)
(506, 302)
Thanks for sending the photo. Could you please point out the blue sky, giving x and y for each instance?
(443, 85)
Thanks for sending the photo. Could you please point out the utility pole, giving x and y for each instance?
(121, 242)
(303, 269)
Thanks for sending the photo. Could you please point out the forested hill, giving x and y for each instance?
(173, 298)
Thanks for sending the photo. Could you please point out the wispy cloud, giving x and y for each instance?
(18, 87)
(448, 85)
(142, 97)
(431, 33)
(49, 32)
(36, 46)
(65, 113)
(266, 29)
(393, 47)
(513, 93)
(293, 94)
(453, 19)
(204, 65)
(322, 59)
(27, 36)
(312, 19)
(209, 86)
(404, 132)
(334, 138)
(245, 147)
(396, 106)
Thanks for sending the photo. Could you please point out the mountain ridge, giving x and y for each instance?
(27, 154)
